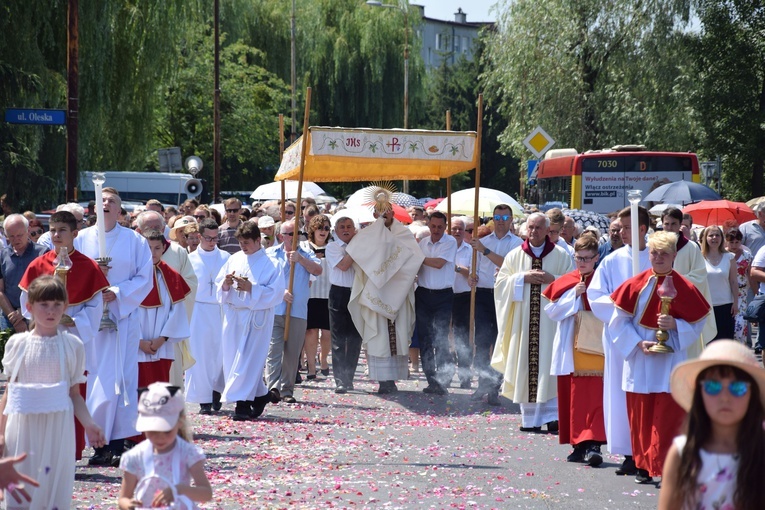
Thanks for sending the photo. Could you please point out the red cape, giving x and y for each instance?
(176, 286)
(568, 281)
(689, 305)
(83, 281)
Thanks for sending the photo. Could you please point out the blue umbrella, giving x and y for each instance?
(682, 192)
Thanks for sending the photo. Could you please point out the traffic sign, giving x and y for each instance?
(538, 142)
(35, 116)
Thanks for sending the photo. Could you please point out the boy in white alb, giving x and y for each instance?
(250, 286)
(204, 380)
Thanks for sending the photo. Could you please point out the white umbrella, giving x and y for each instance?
(659, 209)
(463, 202)
(273, 190)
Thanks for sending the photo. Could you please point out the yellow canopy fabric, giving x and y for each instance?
(358, 154)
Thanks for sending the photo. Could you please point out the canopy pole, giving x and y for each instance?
(299, 200)
(281, 155)
(448, 179)
(476, 220)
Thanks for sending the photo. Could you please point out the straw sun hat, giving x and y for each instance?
(720, 352)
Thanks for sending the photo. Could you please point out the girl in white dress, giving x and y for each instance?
(159, 470)
(718, 463)
(44, 369)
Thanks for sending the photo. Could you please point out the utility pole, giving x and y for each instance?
(216, 106)
(72, 94)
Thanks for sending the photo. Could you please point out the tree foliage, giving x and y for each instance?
(592, 73)
(730, 101)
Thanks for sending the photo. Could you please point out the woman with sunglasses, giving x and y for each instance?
(35, 230)
(318, 303)
(719, 460)
(722, 275)
(653, 416)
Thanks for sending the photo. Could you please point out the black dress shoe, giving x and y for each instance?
(325, 372)
(642, 477)
(627, 468)
(577, 455)
(310, 377)
(102, 457)
(298, 378)
(552, 427)
(289, 399)
(243, 411)
(275, 395)
(531, 429)
(116, 460)
(593, 457)
(479, 394)
(493, 399)
(216, 405)
(258, 405)
(384, 389)
(341, 389)
(205, 409)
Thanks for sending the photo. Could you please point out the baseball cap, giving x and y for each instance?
(159, 407)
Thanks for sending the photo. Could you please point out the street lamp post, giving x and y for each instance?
(405, 11)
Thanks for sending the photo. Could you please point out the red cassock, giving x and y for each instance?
(580, 398)
(655, 418)
(83, 281)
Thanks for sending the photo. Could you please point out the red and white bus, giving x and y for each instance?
(599, 180)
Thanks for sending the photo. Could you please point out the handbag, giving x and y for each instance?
(755, 310)
(589, 358)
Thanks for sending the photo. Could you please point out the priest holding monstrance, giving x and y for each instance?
(658, 315)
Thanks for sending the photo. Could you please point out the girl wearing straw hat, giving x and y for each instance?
(720, 460)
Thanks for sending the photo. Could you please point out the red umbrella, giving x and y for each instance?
(432, 203)
(716, 212)
(401, 215)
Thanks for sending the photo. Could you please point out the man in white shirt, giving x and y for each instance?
(492, 250)
(346, 340)
(433, 304)
(461, 303)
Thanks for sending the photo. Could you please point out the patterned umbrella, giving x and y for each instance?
(404, 200)
(587, 218)
(425, 200)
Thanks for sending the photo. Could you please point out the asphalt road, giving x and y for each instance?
(406, 450)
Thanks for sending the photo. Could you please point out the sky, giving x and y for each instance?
(477, 10)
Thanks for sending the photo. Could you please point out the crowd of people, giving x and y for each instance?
(229, 308)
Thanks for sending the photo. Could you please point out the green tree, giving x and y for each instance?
(730, 68)
(592, 73)
(251, 99)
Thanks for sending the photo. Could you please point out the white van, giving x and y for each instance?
(168, 188)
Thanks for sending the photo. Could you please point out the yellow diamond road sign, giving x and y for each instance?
(538, 142)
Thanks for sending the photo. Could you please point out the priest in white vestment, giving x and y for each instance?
(614, 270)
(386, 260)
(112, 356)
(524, 346)
(204, 380)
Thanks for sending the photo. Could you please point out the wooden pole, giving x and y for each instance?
(298, 200)
(476, 220)
(448, 179)
(281, 155)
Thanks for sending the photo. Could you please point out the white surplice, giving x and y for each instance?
(248, 323)
(206, 374)
(168, 319)
(563, 311)
(113, 355)
(178, 258)
(614, 270)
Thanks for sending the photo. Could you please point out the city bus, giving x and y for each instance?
(599, 180)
